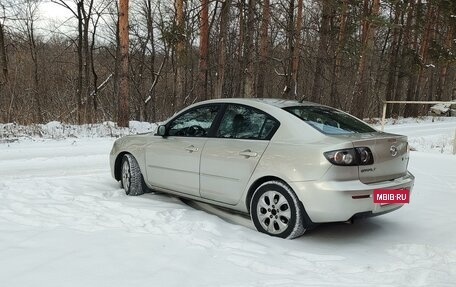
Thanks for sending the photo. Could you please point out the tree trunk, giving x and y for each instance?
(249, 48)
(4, 75)
(86, 15)
(405, 68)
(115, 79)
(221, 58)
(264, 49)
(296, 50)
(124, 111)
(322, 56)
(334, 95)
(393, 83)
(204, 50)
(411, 110)
(3, 59)
(360, 93)
(152, 103)
(180, 55)
(238, 78)
(94, 72)
(289, 58)
(441, 95)
(424, 51)
(79, 88)
(34, 55)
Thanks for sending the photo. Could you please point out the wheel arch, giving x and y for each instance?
(118, 165)
(309, 224)
(256, 184)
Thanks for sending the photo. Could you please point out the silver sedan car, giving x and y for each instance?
(288, 165)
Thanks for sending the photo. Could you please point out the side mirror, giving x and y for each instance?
(161, 130)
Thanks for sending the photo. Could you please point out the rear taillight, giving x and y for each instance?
(350, 156)
(342, 157)
(365, 155)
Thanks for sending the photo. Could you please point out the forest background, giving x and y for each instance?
(350, 54)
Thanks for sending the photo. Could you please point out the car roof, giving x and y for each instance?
(280, 103)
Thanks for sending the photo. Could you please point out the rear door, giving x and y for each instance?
(390, 156)
(229, 159)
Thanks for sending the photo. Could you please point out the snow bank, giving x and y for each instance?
(58, 130)
(64, 221)
(377, 122)
(429, 134)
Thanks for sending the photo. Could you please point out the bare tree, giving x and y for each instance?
(123, 108)
(264, 48)
(296, 50)
(203, 50)
(249, 52)
(4, 67)
(222, 48)
(180, 55)
(368, 33)
(337, 66)
(29, 15)
(337, 52)
(322, 53)
(83, 15)
(3, 59)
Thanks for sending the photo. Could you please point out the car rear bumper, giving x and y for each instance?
(332, 201)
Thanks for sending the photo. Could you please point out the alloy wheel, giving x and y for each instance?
(274, 212)
(126, 175)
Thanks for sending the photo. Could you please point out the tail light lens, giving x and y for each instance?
(365, 155)
(350, 157)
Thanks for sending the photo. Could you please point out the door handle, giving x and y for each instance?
(191, 148)
(248, 153)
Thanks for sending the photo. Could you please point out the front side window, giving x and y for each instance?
(241, 122)
(194, 123)
(329, 120)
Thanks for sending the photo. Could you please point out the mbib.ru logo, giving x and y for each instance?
(390, 196)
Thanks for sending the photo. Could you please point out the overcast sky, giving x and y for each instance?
(53, 16)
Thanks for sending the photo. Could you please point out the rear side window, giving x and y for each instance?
(330, 121)
(242, 122)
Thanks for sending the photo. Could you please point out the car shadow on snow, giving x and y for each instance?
(337, 232)
(360, 229)
(341, 232)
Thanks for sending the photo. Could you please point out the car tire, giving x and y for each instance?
(132, 180)
(276, 210)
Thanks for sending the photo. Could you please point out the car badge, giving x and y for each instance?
(393, 150)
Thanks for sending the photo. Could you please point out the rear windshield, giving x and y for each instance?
(330, 121)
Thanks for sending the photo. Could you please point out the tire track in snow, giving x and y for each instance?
(75, 199)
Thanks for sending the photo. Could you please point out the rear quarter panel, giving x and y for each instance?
(293, 162)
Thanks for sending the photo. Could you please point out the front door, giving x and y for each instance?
(173, 161)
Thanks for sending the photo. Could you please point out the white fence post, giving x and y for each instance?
(384, 116)
(454, 143)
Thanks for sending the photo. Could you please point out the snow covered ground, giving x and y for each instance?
(65, 222)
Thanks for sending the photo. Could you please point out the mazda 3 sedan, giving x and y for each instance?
(288, 165)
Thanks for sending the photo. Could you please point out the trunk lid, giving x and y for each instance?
(390, 154)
